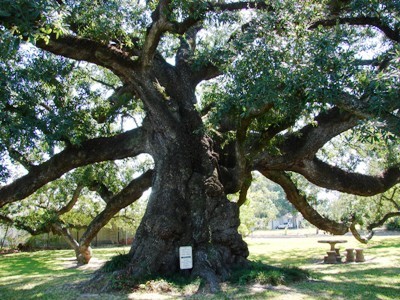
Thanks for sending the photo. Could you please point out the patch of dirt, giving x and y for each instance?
(71, 263)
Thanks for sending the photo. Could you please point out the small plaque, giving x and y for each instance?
(185, 257)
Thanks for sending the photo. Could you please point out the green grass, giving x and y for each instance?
(52, 274)
(377, 278)
(38, 275)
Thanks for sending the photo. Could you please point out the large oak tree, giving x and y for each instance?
(225, 88)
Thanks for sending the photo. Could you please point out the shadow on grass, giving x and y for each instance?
(289, 259)
(35, 263)
(61, 286)
(347, 290)
(370, 283)
(395, 243)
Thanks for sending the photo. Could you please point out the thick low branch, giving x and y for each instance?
(335, 178)
(307, 141)
(361, 108)
(83, 49)
(299, 201)
(390, 33)
(127, 196)
(121, 146)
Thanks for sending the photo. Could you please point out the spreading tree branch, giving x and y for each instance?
(391, 198)
(159, 26)
(24, 226)
(361, 108)
(83, 49)
(72, 202)
(133, 191)
(306, 142)
(371, 227)
(335, 178)
(383, 220)
(300, 202)
(358, 236)
(244, 189)
(389, 32)
(124, 145)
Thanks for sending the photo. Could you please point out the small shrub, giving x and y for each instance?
(116, 263)
(45, 241)
(393, 224)
(263, 274)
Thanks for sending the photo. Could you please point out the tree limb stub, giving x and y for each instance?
(121, 146)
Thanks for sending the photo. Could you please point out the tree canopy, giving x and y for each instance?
(211, 90)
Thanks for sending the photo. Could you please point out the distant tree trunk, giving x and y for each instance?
(83, 251)
(4, 237)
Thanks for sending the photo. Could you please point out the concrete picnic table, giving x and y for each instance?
(334, 254)
(332, 243)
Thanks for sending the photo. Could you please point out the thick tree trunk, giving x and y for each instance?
(188, 207)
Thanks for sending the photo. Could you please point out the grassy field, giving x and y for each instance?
(53, 274)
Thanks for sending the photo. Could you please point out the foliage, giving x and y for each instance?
(266, 202)
(47, 241)
(393, 224)
(10, 237)
(116, 263)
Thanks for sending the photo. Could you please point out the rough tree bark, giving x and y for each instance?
(188, 204)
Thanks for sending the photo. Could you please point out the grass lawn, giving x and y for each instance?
(53, 274)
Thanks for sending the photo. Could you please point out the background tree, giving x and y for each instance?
(265, 202)
(284, 78)
(78, 201)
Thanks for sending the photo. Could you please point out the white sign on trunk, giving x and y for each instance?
(185, 257)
